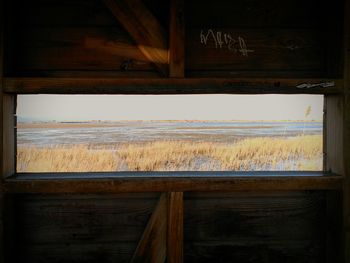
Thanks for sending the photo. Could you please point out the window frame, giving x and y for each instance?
(112, 182)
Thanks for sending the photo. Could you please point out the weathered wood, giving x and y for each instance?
(177, 39)
(172, 86)
(334, 203)
(258, 14)
(80, 228)
(144, 28)
(76, 48)
(8, 135)
(175, 228)
(235, 50)
(255, 227)
(170, 182)
(279, 33)
(152, 246)
(346, 199)
(73, 13)
(333, 147)
(2, 193)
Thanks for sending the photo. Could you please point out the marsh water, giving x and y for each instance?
(144, 131)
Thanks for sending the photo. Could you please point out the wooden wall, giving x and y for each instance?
(83, 38)
(274, 45)
(222, 227)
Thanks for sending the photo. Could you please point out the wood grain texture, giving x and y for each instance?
(80, 228)
(334, 161)
(77, 48)
(272, 50)
(334, 226)
(177, 39)
(152, 246)
(278, 32)
(2, 206)
(173, 86)
(76, 13)
(144, 28)
(255, 227)
(175, 241)
(8, 135)
(170, 182)
(346, 72)
(257, 14)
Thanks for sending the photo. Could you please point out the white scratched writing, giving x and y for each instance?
(225, 40)
(316, 85)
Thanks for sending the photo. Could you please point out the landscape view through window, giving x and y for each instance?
(81, 133)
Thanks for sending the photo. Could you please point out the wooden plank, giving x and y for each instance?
(2, 193)
(144, 28)
(177, 40)
(258, 14)
(175, 228)
(334, 226)
(81, 13)
(152, 245)
(76, 48)
(8, 133)
(334, 161)
(255, 227)
(346, 198)
(170, 182)
(266, 50)
(80, 228)
(172, 86)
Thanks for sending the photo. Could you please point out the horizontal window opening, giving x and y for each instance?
(93, 133)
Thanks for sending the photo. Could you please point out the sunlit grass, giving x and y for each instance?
(298, 153)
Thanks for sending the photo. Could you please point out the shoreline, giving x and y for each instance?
(68, 125)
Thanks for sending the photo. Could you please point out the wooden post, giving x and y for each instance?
(346, 200)
(175, 228)
(177, 40)
(2, 241)
(333, 146)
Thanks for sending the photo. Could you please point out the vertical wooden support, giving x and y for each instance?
(2, 243)
(176, 70)
(346, 200)
(334, 134)
(152, 245)
(177, 40)
(7, 144)
(175, 228)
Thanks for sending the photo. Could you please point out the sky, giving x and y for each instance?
(168, 107)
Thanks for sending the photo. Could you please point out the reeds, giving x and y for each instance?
(298, 153)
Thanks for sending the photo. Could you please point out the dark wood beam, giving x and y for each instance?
(128, 182)
(333, 134)
(172, 86)
(152, 246)
(177, 40)
(118, 48)
(346, 195)
(144, 28)
(2, 194)
(175, 228)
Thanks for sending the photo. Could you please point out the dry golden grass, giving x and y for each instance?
(299, 153)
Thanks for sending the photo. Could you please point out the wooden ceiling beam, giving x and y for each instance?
(144, 28)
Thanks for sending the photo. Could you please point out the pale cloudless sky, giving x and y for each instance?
(169, 107)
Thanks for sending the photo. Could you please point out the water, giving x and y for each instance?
(121, 132)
